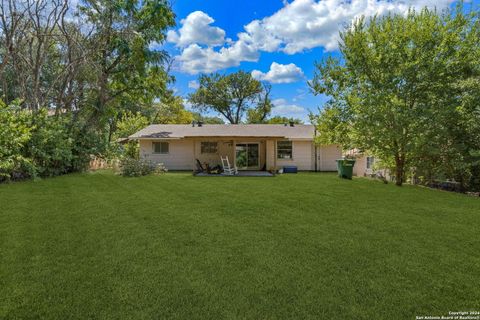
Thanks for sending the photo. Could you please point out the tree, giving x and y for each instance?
(91, 61)
(127, 70)
(396, 87)
(283, 120)
(333, 125)
(230, 95)
(42, 53)
(206, 119)
(171, 110)
(128, 124)
(263, 109)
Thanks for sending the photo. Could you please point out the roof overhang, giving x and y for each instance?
(155, 138)
(220, 138)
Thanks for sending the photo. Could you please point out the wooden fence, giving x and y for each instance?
(97, 163)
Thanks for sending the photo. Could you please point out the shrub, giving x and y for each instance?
(86, 142)
(50, 146)
(34, 144)
(160, 169)
(15, 133)
(128, 124)
(130, 167)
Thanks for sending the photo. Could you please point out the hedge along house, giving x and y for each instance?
(248, 146)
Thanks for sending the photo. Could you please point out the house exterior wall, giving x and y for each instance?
(360, 167)
(270, 154)
(182, 153)
(326, 157)
(224, 148)
(179, 157)
(302, 156)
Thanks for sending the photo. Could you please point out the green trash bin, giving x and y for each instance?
(345, 168)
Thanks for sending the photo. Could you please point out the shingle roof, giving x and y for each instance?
(177, 131)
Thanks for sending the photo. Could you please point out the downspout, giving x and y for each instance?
(194, 156)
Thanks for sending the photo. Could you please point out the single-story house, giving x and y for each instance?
(363, 166)
(248, 146)
(366, 165)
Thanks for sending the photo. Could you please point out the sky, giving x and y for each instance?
(277, 41)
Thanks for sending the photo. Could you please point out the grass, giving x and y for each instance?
(293, 246)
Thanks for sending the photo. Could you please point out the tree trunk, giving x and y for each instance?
(399, 170)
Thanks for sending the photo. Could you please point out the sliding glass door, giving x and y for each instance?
(247, 155)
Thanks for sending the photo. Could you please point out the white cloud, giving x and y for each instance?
(301, 93)
(196, 29)
(280, 73)
(306, 24)
(263, 41)
(284, 109)
(195, 59)
(298, 26)
(193, 84)
(187, 104)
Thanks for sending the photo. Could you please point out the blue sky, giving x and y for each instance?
(278, 41)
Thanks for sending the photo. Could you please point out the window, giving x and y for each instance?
(208, 147)
(160, 147)
(370, 162)
(284, 150)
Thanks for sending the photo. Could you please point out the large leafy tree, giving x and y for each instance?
(171, 110)
(88, 62)
(398, 89)
(128, 71)
(262, 111)
(43, 53)
(231, 95)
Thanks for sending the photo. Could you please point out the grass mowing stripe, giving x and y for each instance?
(175, 246)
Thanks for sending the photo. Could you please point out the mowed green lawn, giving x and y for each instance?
(293, 246)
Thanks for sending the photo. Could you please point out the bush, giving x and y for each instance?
(130, 167)
(50, 146)
(15, 133)
(34, 144)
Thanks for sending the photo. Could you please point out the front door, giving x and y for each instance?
(247, 156)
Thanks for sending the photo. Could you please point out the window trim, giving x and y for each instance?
(277, 149)
(209, 142)
(160, 142)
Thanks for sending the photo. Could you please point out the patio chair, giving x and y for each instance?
(227, 169)
(199, 166)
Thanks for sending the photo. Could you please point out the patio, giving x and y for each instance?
(240, 174)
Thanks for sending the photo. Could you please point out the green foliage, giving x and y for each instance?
(282, 120)
(406, 90)
(128, 71)
(92, 75)
(229, 95)
(332, 127)
(35, 144)
(130, 167)
(15, 133)
(206, 119)
(264, 106)
(171, 110)
(50, 146)
(128, 124)
(87, 142)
